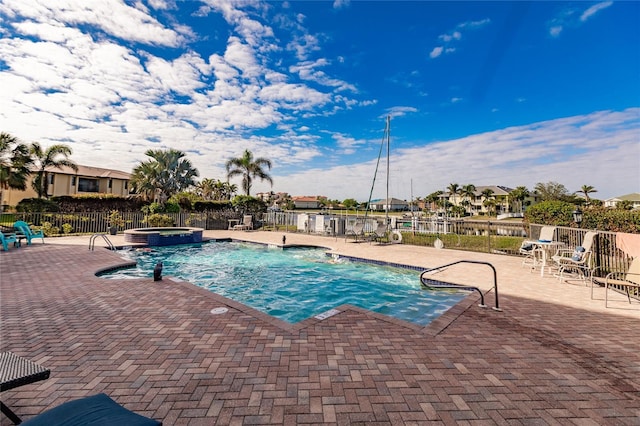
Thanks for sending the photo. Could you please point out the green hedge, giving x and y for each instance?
(560, 213)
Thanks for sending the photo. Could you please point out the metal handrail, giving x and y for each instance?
(443, 284)
(92, 241)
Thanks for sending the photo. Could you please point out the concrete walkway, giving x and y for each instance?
(553, 355)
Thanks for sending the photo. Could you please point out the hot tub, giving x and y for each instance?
(163, 236)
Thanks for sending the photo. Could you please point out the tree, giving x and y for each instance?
(490, 205)
(586, 190)
(468, 192)
(453, 188)
(249, 168)
(350, 203)
(433, 199)
(56, 156)
(206, 189)
(14, 163)
(518, 195)
(552, 191)
(165, 174)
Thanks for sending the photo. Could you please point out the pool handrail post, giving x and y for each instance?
(471, 288)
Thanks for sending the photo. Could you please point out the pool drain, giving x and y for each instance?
(218, 311)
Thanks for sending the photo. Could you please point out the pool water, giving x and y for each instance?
(295, 283)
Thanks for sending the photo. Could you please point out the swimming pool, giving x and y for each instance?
(295, 283)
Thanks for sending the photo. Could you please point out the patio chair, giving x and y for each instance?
(25, 230)
(380, 233)
(532, 250)
(357, 231)
(578, 259)
(247, 223)
(92, 410)
(623, 280)
(7, 239)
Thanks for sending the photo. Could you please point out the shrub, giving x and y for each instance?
(558, 213)
(37, 205)
(48, 229)
(67, 228)
(159, 220)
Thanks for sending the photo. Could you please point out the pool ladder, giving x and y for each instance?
(92, 241)
(435, 284)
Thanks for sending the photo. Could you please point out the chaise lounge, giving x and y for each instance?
(25, 230)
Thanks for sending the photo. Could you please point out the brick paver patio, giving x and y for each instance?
(553, 356)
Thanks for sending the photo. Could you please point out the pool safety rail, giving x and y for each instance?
(92, 241)
(431, 283)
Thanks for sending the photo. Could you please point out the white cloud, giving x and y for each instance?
(594, 9)
(563, 150)
(573, 17)
(454, 36)
(436, 51)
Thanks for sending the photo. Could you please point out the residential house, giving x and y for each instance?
(66, 181)
(308, 202)
(389, 204)
(634, 198)
(476, 205)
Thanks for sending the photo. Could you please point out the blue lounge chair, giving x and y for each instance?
(7, 239)
(92, 410)
(25, 230)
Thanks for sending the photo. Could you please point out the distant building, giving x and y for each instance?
(634, 198)
(389, 204)
(66, 181)
(308, 202)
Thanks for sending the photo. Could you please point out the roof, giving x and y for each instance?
(91, 171)
(635, 196)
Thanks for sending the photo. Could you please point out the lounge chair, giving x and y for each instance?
(357, 231)
(25, 230)
(247, 224)
(7, 239)
(578, 259)
(623, 280)
(92, 410)
(380, 233)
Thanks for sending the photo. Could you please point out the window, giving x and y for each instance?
(110, 183)
(73, 181)
(51, 178)
(88, 185)
(126, 184)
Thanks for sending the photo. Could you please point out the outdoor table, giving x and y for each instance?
(17, 371)
(547, 249)
(233, 223)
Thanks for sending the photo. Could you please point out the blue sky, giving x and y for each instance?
(488, 93)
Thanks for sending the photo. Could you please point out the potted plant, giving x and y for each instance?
(116, 221)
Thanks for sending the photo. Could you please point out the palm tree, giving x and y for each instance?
(206, 189)
(586, 190)
(56, 156)
(249, 168)
(165, 174)
(14, 163)
(143, 180)
(453, 188)
(490, 204)
(519, 194)
(433, 199)
(486, 194)
(468, 192)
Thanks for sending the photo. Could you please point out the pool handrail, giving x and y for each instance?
(92, 241)
(431, 283)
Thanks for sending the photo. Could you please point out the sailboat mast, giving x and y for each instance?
(388, 131)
